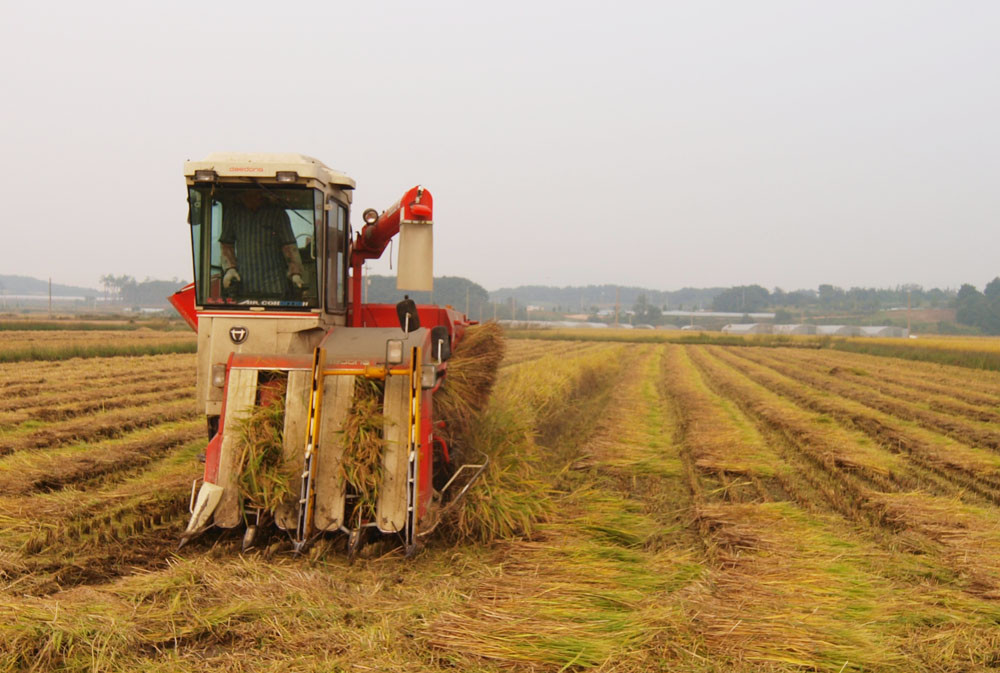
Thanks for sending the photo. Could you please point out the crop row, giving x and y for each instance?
(893, 489)
(797, 580)
(889, 400)
(19, 379)
(525, 350)
(977, 388)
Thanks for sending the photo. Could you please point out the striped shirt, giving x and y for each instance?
(258, 236)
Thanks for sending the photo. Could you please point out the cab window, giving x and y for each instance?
(255, 245)
(336, 259)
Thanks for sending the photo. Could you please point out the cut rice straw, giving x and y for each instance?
(361, 465)
(263, 480)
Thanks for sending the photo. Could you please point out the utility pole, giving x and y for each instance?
(908, 305)
(50, 296)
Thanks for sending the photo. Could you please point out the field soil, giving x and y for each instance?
(693, 507)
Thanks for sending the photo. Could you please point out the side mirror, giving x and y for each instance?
(440, 343)
(406, 310)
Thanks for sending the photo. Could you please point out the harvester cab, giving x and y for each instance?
(283, 335)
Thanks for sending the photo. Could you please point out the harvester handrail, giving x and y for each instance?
(480, 468)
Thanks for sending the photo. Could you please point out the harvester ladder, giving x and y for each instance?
(307, 491)
(412, 451)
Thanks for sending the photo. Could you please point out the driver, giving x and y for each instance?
(258, 247)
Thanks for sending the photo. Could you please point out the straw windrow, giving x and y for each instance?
(513, 495)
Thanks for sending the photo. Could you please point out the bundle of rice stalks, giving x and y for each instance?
(510, 497)
(263, 480)
(514, 493)
(361, 465)
(472, 372)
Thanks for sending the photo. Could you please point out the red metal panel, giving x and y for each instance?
(214, 448)
(425, 462)
(183, 301)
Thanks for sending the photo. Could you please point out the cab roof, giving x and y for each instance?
(267, 165)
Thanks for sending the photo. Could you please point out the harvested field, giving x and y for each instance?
(651, 507)
(64, 344)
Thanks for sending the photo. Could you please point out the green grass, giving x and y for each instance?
(68, 351)
(960, 358)
(89, 326)
(659, 337)
(907, 350)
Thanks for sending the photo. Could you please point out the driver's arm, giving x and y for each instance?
(227, 245)
(228, 256)
(290, 249)
(292, 258)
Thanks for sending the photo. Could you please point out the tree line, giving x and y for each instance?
(979, 309)
(127, 291)
(751, 298)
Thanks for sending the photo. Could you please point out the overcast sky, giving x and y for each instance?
(660, 144)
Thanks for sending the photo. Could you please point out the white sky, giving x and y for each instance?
(660, 144)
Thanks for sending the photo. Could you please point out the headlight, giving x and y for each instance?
(286, 176)
(205, 176)
(370, 216)
(428, 376)
(218, 375)
(394, 351)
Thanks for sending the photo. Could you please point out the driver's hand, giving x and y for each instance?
(297, 281)
(231, 275)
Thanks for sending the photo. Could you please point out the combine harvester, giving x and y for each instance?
(276, 309)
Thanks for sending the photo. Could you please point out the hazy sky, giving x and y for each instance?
(661, 144)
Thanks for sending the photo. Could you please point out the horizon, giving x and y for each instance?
(182, 282)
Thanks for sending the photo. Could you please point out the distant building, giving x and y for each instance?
(885, 331)
(549, 324)
(747, 328)
(838, 330)
(717, 314)
(795, 329)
